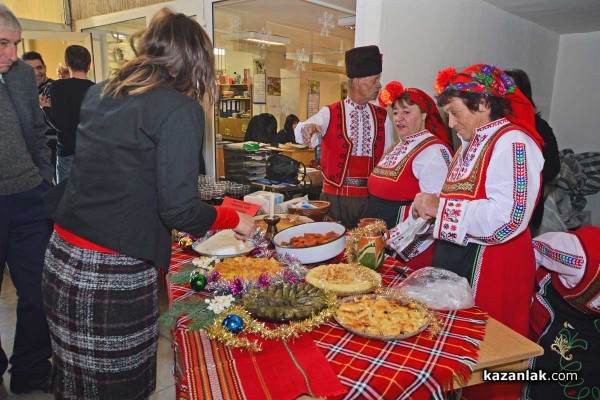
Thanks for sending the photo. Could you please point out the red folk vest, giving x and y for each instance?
(336, 147)
(399, 183)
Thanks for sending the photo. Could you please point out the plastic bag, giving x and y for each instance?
(438, 289)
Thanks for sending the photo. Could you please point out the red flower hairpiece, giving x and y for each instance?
(443, 79)
(392, 91)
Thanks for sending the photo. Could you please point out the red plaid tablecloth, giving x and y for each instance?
(417, 368)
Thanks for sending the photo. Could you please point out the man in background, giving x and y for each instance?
(353, 136)
(25, 174)
(35, 61)
(67, 96)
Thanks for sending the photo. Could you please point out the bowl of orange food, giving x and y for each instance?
(311, 242)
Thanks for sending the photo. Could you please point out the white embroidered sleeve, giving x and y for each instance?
(512, 186)
(321, 119)
(430, 167)
(562, 253)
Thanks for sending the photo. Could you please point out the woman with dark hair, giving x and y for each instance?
(417, 162)
(134, 178)
(262, 128)
(550, 149)
(286, 135)
(484, 207)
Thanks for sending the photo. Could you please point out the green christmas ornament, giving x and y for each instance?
(197, 281)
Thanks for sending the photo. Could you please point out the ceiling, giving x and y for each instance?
(562, 16)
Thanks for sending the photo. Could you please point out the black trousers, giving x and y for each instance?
(25, 229)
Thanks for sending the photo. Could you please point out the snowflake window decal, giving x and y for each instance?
(326, 22)
(235, 27)
(300, 60)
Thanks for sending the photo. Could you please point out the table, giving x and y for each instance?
(312, 191)
(205, 369)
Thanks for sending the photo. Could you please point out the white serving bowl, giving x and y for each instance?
(314, 254)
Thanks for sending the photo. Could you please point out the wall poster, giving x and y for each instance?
(314, 97)
(259, 84)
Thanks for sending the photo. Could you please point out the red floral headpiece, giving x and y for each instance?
(392, 91)
(444, 78)
(434, 122)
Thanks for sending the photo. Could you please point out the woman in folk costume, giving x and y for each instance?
(565, 314)
(417, 162)
(353, 136)
(482, 212)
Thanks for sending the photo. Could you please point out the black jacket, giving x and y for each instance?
(135, 173)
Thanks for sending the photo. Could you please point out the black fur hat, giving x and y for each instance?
(363, 61)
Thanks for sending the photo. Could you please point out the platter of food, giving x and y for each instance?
(284, 302)
(311, 242)
(287, 221)
(381, 317)
(247, 268)
(223, 244)
(344, 279)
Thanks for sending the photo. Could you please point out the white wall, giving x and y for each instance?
(575, 111)
(420, 37)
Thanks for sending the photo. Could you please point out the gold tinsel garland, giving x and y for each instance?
(285, 331)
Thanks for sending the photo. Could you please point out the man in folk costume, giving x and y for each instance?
(484, 208)
(353, 136)
(565, 314)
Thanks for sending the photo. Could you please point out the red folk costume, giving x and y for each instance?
(345, 173)
(565, 314)
(353, 138)
(485, 206)
(415, 163)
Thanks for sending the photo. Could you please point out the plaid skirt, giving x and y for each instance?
(102, 311)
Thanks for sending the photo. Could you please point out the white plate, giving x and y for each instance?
(223, 245)
(314, 254)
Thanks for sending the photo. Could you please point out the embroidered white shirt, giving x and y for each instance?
(360, 124)
(512, 184)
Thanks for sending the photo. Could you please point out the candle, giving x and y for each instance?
(271, 204)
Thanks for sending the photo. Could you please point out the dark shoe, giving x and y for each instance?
(22, 384)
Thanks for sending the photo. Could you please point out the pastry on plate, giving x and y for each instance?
(381, 317)
(344, 279)
(247, 268)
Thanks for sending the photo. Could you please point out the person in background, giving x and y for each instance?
(565, 313)
(262, 128)
(417, 162)
(25, 226)
(134, 178)
(483, 210)
(353, 136)
(62, 72)
(550, 149)
(286, 135)
(67, 96)
(34, 59)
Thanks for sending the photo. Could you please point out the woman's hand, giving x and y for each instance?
(245, 227)
(425, 205)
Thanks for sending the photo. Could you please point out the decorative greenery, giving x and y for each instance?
(182, 277)
(195, 309)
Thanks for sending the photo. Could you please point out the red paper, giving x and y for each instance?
(242, 206)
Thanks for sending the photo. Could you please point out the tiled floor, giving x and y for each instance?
(165, 386)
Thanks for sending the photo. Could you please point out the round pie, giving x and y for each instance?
(381, 317)
(247, 267)
(284, 302)
(344, 279)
